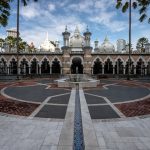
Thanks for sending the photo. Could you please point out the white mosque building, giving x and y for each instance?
(75, 52)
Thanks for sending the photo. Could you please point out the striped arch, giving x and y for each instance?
(2, 57)
(120, 59)
(23, 57)
(45, 57)
(12, 57)
(57, 59)
(97, 57)
(142, 60)
(34, 57)
(108, 57)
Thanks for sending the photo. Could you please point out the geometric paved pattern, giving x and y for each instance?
(52, 111)
(102, 112)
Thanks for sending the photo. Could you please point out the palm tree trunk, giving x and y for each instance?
(17, 43)
(129, 68)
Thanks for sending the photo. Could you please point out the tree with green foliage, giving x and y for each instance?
(141, 5)
(141, 43)
(11, 41)
(1, 43)
(5, 7)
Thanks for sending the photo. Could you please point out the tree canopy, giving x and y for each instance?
(141, 43)
(141, 5)
(5, 7)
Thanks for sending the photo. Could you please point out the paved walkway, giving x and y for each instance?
(18, 133)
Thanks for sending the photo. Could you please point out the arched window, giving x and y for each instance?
(97, 67)
(56, 66)
(24, 67)
(108, 67)
(45, 67)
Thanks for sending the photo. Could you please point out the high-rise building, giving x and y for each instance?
(147, 47)
(12, 32)
(121, 44)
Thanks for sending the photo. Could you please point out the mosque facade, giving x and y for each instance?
(75, 56)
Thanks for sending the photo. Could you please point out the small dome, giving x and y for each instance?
(76, 40)
(107, 46)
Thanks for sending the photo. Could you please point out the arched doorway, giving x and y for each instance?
(97, 67)
(3, 66)
(127, 67)
(56, 69)
(119, 67)
(108, 67)
(76, 66)
(24, 67)
(140, 67)
(13, 66)
(45, 67)
(34, 66)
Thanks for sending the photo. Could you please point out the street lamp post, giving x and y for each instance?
(17, 42)
(129, 64)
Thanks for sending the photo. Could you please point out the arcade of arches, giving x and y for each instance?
(75, 65)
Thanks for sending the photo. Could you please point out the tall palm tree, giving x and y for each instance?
(5, 10)
(11, 42)
(130, 17)
(17, 43)
(141, 5)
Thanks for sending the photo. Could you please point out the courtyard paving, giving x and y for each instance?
(49, 126)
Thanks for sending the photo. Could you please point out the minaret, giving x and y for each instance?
(66, 36)
(47, 36)
(87, 36)
(96, 43)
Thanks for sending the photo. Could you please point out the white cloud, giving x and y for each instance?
(30, 11)
(83, 6)
(51, 7)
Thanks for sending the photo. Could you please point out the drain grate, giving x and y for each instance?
(78, 128)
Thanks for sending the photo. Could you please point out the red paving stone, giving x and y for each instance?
(135, 108)
(15, 107)
(24, 83)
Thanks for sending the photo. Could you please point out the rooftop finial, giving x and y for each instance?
(87, 28)
(66, 28)
(47, 36)
(77, 30)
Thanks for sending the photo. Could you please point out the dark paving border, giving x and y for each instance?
(102, 112)
(51, 111)
(120, 93)
(33, 93)
(94, 100)
(63, 99)
(46, 81)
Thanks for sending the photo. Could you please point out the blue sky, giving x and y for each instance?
(52, 16)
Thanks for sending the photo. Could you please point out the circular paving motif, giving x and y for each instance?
(42, 98)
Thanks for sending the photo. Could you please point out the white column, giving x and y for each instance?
(29, 69)
(124, 70)
(134, 70)
(8, 70)
(145, 71)
(113, 69)
(19, 70)
(102, 68)
(50, 70)
(37, 69)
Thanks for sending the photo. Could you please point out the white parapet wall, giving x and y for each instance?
(82, 80)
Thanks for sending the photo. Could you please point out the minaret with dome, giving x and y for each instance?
(107, 46)
(76, 52)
